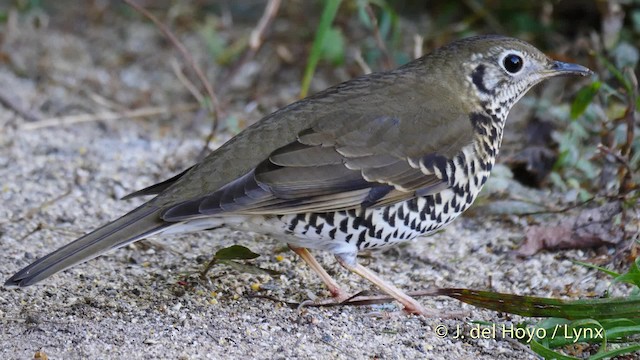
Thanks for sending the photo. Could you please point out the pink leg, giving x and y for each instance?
(331, 284)
(410, 304)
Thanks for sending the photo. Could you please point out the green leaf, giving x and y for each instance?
(635, 20)
(632, 276)
(213, 42)
(557, 181)
(584, 98)
(235, 252)
(362, 14)
(626, 55)
(333, 46)
(385, 24)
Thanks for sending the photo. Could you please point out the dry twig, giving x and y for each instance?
(360, 298)
(629, 116)
(485, 13)
(386, 58)
(417, 46)
(214, 104)
(185, 81)
(17, 107)
(255, 39)
(107, 116)
(257, 35)
(360, 61)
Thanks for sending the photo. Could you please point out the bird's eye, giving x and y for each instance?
(512, 63)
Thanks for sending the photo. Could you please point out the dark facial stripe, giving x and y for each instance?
(477, 77)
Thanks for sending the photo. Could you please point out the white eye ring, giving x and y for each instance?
(512, 62)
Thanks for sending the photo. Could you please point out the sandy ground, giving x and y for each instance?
(61, 181)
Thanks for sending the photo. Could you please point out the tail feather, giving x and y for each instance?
(136, 225)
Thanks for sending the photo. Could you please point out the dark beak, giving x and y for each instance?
(561, 68)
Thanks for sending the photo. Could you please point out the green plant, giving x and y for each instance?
(601, 321)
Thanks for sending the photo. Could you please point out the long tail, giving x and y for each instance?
(136, 225)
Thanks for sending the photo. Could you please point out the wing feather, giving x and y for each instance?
(328, 168)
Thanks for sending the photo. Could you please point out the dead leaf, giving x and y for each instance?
(590, 228)
(532, 164)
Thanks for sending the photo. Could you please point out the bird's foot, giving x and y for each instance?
(366, 298)
(416, 308)
(338, 297)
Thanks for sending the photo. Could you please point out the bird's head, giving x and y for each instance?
(500, 70)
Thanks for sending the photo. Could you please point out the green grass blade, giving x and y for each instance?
(328, 14)
(547, 353)
(598, 309)
(600, 268)
(615, 352)
(622, 332)
(579, 331)
(616, 73)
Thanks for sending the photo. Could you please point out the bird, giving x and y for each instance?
(375, 161)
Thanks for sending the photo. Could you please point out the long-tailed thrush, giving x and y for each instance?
(369, 163)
